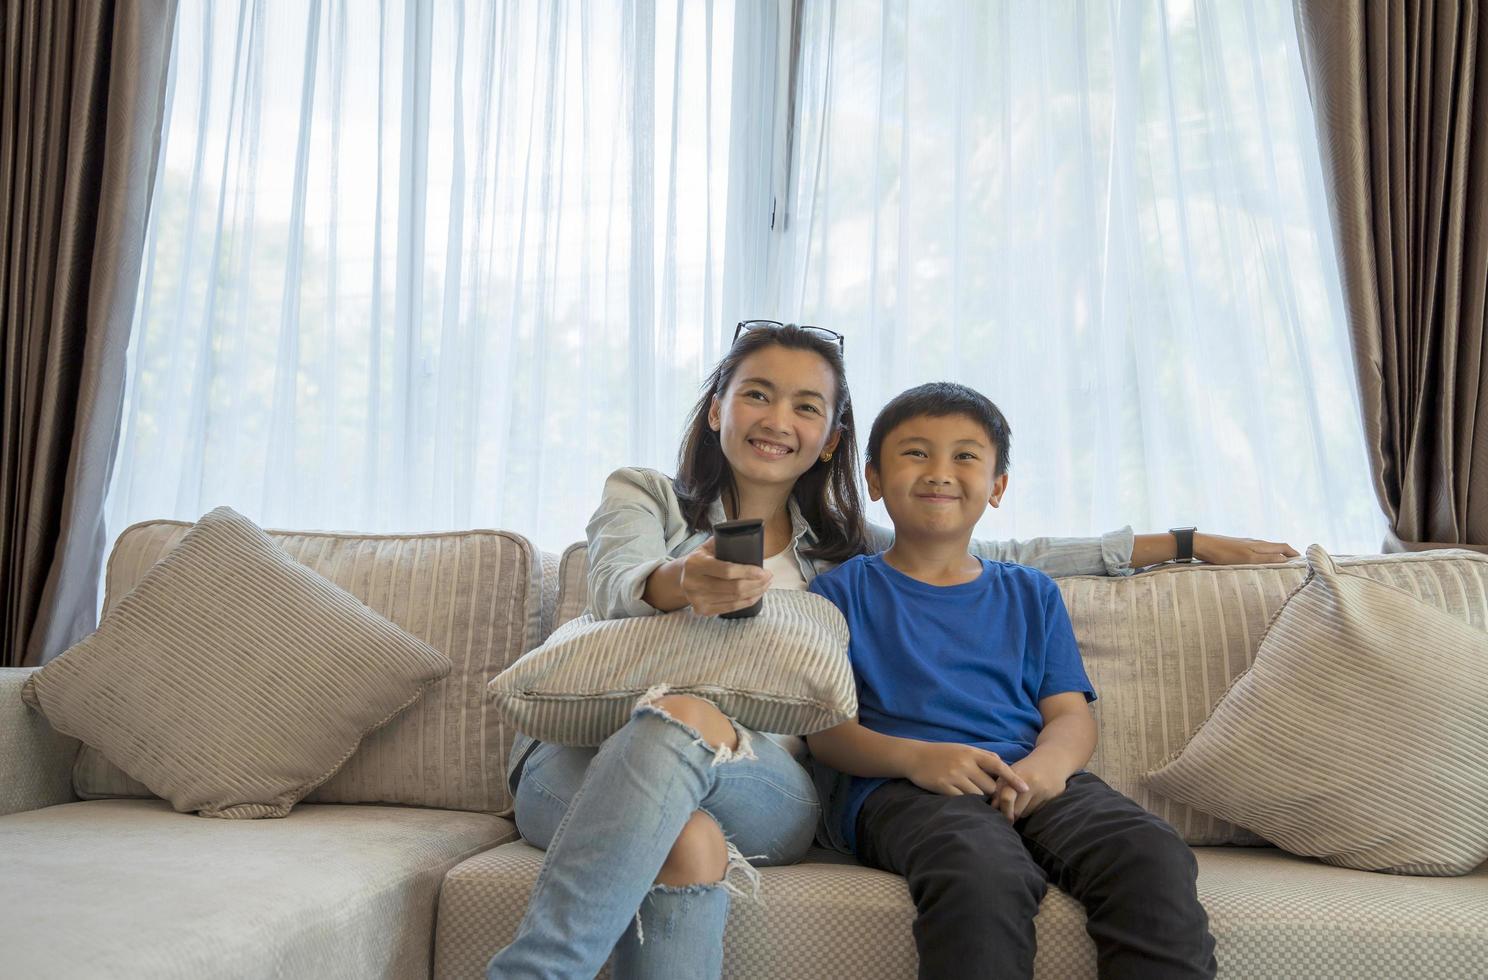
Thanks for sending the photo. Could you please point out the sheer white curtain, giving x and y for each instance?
(1110, 218)
(421, 265)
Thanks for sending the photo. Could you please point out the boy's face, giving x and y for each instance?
(935, 476)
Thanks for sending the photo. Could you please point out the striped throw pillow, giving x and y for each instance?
(471, 595)
(1358, 736)
(785, 670)
(233, 680)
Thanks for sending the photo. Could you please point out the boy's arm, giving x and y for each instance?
(1068, 739)
(947, 768)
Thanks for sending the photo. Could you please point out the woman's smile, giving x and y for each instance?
(770, 450)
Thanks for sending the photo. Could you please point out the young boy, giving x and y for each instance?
(973, 727)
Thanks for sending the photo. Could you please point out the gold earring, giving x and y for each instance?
(826, 457)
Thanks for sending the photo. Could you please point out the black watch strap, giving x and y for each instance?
(1185, 538)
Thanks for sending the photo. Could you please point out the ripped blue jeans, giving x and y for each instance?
(608, 818)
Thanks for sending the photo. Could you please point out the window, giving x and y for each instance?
(418, 265)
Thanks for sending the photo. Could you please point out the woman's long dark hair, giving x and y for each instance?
(827, 494)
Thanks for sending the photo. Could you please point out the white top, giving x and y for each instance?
(786, 571)
(787, 575)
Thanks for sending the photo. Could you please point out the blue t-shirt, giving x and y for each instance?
(961, 663)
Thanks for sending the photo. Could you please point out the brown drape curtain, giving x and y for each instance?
(82, 91)
(1400, 91)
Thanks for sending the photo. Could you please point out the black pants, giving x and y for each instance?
(977, 880)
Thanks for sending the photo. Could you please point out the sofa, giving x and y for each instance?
(406, 863)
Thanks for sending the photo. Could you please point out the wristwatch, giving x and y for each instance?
(1185, 538)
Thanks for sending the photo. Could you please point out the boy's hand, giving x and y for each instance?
(951, 769)
(1043, 782)
(714, 586)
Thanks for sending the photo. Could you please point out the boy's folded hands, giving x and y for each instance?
(1043, 782)
(1019, 789)
(952, 769)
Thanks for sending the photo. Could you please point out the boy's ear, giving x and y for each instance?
(999, 487)
(715, 416)
(875, 489)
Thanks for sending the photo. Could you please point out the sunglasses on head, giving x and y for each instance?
(747, 325)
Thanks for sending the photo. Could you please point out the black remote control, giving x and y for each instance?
(743, 543)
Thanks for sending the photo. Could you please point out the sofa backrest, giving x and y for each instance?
(474, 595)
(1162, 647)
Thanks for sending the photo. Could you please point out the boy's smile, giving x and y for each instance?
(935, 474)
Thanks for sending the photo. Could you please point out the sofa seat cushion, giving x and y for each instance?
(1272, 914)
(132, 888)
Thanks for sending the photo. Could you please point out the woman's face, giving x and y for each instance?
(774, 420)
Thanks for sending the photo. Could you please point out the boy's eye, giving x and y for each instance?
(966, 455)
(913, 452)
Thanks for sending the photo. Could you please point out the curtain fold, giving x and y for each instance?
(80, 103)
(1401, 91)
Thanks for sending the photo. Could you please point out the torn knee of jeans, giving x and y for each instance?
(647, 704)
(698, 888)
(735, 865)
(722, 753)
(654, 694)
(739, 865)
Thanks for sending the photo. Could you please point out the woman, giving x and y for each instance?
(643, 834)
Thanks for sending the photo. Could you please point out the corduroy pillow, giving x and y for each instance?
(785, 670)
(471, 595)
(1358, 736)
(233, 680)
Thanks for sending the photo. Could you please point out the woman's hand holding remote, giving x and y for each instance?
(713, 586)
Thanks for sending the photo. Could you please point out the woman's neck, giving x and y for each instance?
(768, 504)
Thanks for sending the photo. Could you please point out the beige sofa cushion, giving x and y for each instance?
(129, 888)
(551, 576)
(36, 761)
(785, 670)
(573, 583)
(1272, 915)
(233, 680)
(474, 595)
(1358, 736)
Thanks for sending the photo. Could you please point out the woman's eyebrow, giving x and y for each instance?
(766, 383)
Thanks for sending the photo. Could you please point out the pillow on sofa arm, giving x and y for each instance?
(233, 680)
(1357, 736)
(785, 670)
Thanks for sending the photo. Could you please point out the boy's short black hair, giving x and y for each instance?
(937, 400)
